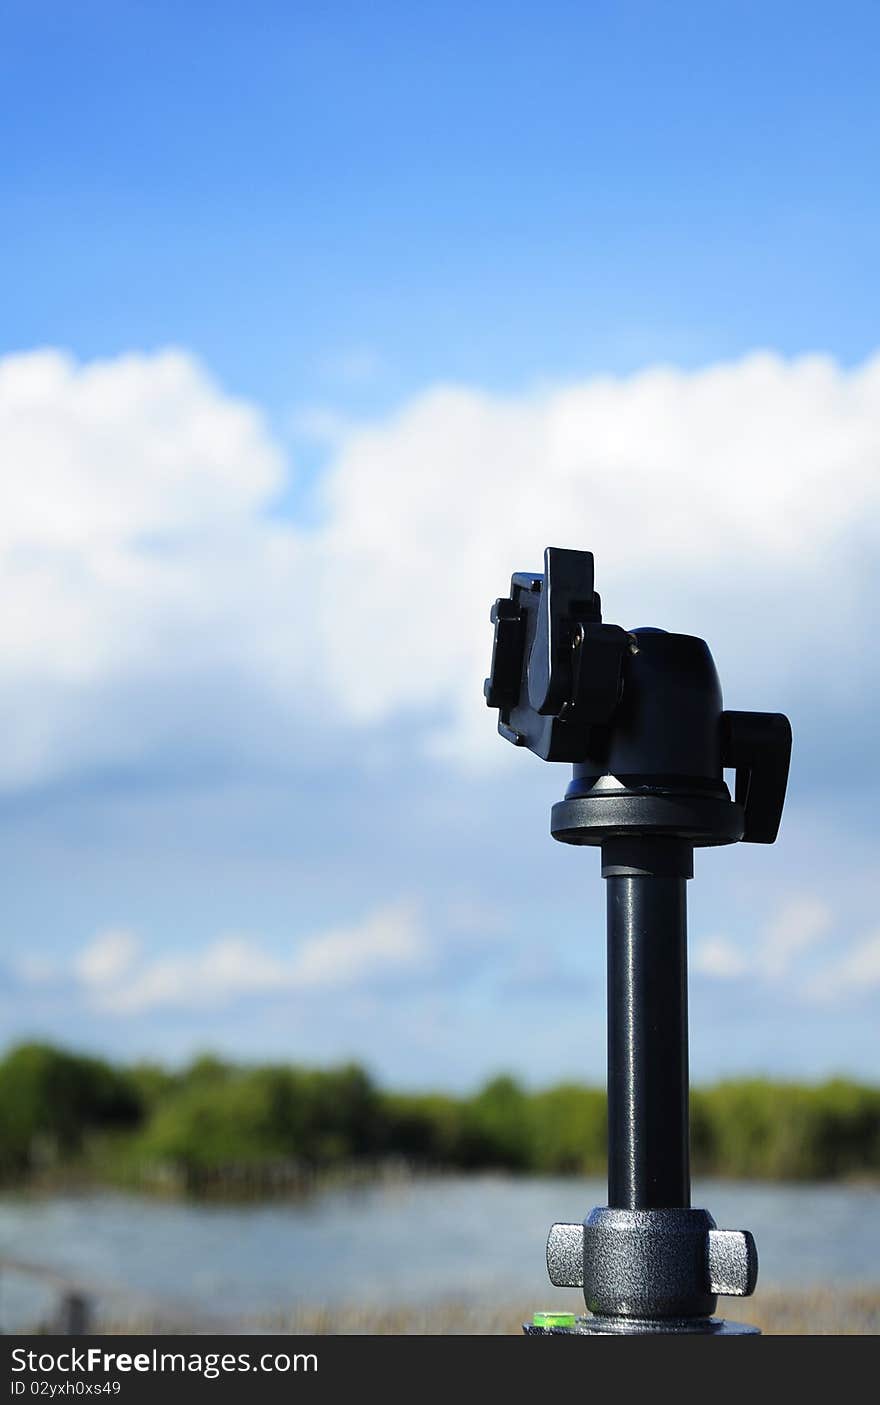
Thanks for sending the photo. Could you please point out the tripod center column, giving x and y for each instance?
(648, 1115)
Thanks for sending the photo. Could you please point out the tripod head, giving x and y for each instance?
(638, 714)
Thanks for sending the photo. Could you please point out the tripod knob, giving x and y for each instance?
(758, 745)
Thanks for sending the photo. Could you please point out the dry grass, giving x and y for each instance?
(818, 1312)
(776, 1313)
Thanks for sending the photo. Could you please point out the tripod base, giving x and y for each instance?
(644, 1327)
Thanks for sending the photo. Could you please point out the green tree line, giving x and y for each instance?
(214, 1121)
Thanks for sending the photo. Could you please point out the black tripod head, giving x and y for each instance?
(638, 714)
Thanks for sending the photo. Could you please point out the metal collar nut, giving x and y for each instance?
(731, 1260)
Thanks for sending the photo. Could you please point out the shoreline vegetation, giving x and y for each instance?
(221, 1129)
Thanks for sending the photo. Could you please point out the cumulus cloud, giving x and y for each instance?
(738, 501)
(856, 973)
(107, 959)
(800, 927)
(118, 976)
(159, 607)
(135, 557)
(719, 959)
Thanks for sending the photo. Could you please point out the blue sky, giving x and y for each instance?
(487, 193)
(315, 323)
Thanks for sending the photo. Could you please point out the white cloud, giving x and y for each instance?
(719, 959)
(155, 606)
(724, 500)
(856, 972)
(784, 957)
(107, 958)
(799, 926)
(135, 557)
(392, 938)
(118, 978)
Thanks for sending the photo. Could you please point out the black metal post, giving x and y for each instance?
(648, 1127)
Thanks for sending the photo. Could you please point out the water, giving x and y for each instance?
(423, 1242)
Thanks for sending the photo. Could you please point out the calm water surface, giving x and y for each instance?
(421, 1242)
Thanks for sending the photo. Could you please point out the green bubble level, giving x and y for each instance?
(553, 1319)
